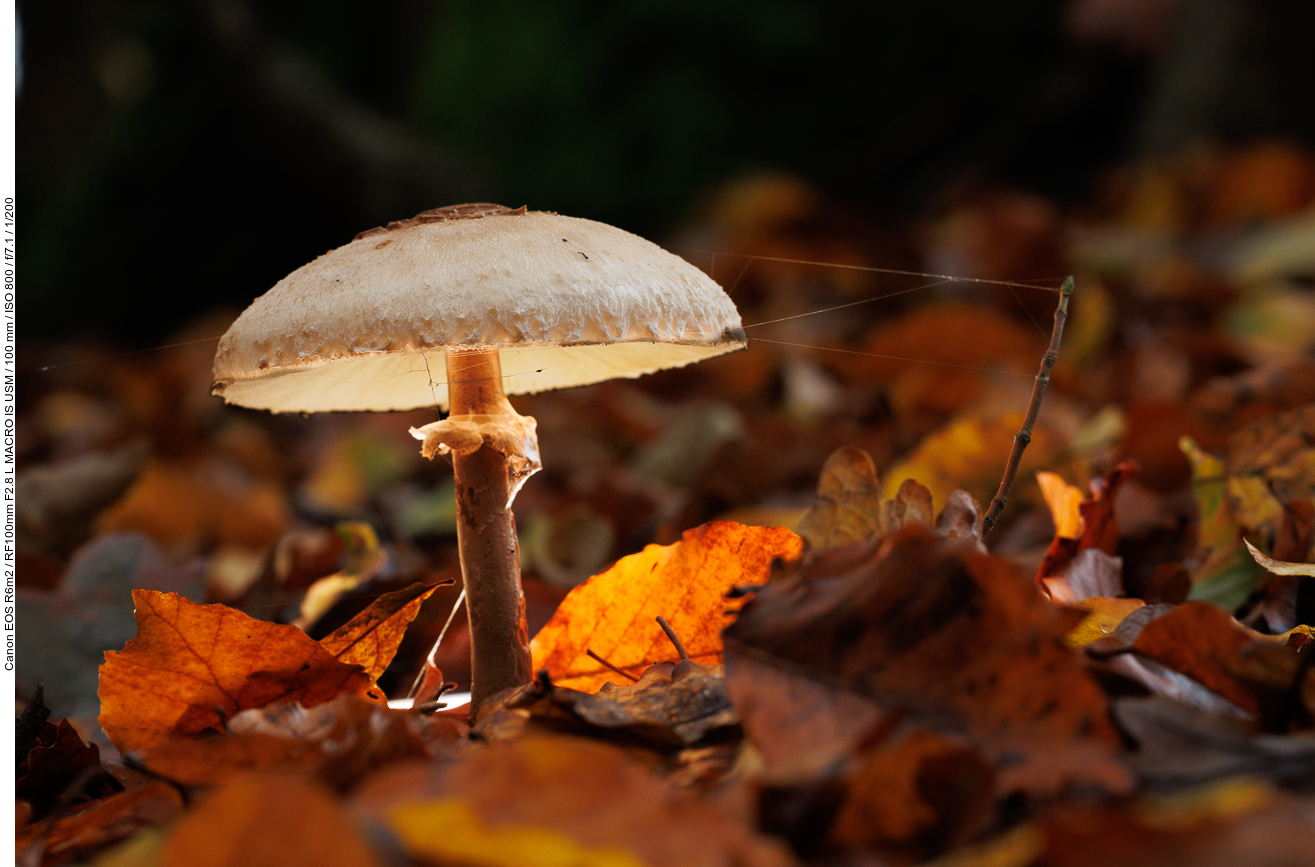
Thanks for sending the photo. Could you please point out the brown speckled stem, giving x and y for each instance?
(486, 537)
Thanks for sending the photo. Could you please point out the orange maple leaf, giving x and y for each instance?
(613, 613)
(371, 638)
(191, 662)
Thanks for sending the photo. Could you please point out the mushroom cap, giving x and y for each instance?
(566, 302)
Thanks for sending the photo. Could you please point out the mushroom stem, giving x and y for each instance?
(486, 535)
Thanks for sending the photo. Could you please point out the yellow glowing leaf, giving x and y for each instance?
(1106, 613)
(1063, 500)
(449, 832)
(613, 614)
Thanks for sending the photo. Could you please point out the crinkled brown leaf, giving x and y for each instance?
(944, 632)
(189, 662)
(613, 614)
(258, 819)
(354, 736)
(57, 758)
(848, 507)
(339, 742)
(664, 710)
(371, 638)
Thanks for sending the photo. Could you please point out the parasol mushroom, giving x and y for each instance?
(457, 308)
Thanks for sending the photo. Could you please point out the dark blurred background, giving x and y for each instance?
(178, 157)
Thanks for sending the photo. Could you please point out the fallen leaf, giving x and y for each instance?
(102, 823)
(1062, 499)
(1222, 572)
(1279, 567)
(1105, 615)
(912, 504)
(613, 613)
(798, 725)
(916, 797)
(339, 742)
(1225, 824)
(371, 638)
(938, 629)
(848, 507)
(215, 760)
(665, 707)
(266, 820)
(190, 661)
(450, 831)
(1099, 529)
(58, 757)
(354, 736)
(1091, 573)
(585, 802)
(1268, 464)
(1195, 639)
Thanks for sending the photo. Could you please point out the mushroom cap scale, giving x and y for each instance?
(567, 302)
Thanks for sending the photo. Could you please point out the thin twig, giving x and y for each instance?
(671, 634)
(1024, 436)
(429, 660)
(603, 662)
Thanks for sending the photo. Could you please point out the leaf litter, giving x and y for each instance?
(1120, 673)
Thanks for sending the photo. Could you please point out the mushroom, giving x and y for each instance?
(457, 308)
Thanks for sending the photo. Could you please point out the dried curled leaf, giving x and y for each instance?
(191, 662)
(849, 506)
(371, 638)
(57, 758)
(668, 706)
(1280, 567)
(1097, 528)
(339, 742)
(613, 613)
